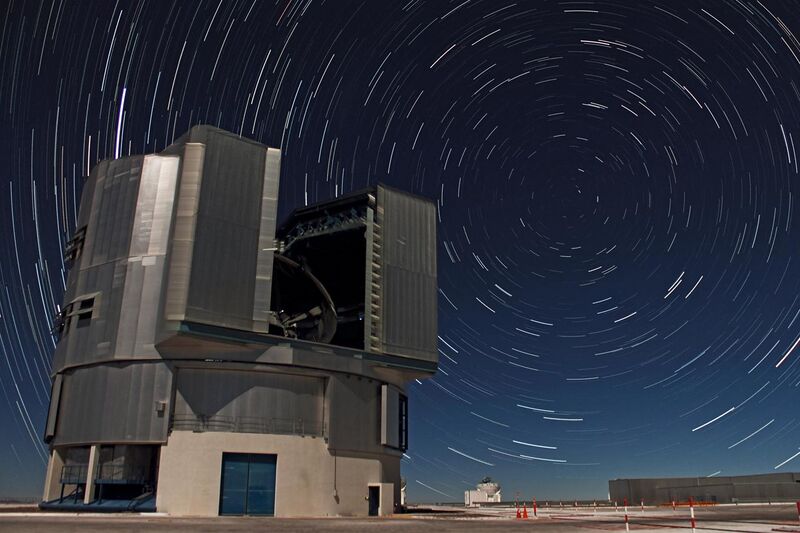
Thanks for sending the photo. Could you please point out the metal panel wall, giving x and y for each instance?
(52, 413)
(409, 299)
(266, 241)
(239, 394)
(109, 216)
(145, 268)
(112, 210)
(175, 236)
(390, 416)
(225, 256)
(354, 409)
(182, 243)
(114, 403)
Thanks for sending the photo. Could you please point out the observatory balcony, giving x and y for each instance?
(249, 424)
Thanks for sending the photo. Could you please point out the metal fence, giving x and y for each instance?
(116, 473)
(107, 473)
(245, 424)
(74, 474)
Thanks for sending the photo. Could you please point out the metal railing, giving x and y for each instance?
(107, 473)
(74, 474)
(115, 473)
(248, 424)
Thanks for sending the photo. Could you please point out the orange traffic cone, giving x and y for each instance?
(518, 515)
(525, 511)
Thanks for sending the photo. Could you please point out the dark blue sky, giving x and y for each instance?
(617, 187)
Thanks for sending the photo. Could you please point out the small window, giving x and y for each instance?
(79, 311)
(84, 312)
(74, 246)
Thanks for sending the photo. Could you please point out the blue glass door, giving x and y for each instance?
(248, 484)
(261, 485)
(233, 491)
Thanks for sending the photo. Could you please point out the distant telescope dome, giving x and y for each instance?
(489, 488)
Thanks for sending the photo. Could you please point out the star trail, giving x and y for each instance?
(616, 187)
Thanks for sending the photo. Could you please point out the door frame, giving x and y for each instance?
(371, 486)
(249, 456)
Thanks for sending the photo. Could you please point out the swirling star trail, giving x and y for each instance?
(616, 185)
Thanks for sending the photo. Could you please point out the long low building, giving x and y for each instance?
(728, 489)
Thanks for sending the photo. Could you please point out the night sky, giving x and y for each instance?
(616, 182)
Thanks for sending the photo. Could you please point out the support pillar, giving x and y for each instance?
(91, 473)
(52, 481)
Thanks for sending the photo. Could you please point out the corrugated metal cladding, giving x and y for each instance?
(113, 207)
(114, 403)
(226, 240)
(239, 395)
(207, 209)
(108, 214)
(121, 265)
(409, 300)
(52, 412)
(355, 406)
(182, 243)
(262, 294)
(145, 268)
(390, 416)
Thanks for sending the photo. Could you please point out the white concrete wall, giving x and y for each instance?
(473, 497)
(52, 481)
(387, 503)
(309, 481)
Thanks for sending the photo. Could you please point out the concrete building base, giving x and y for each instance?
(311, 480)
